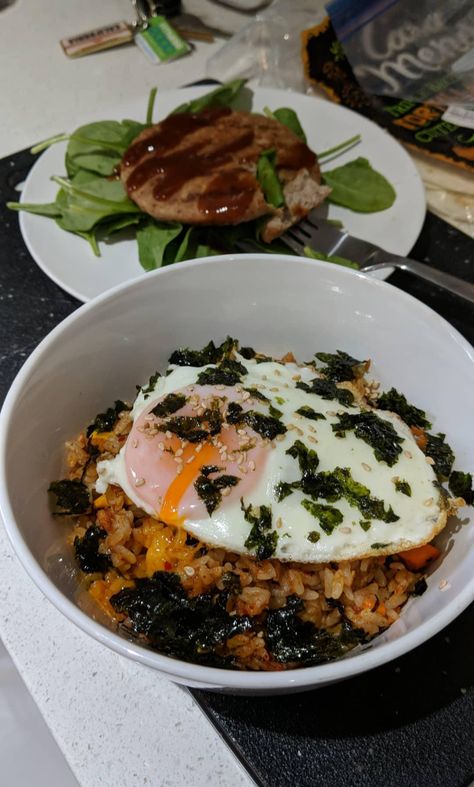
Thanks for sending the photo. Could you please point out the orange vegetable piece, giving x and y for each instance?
(421, 438)
(419, 557)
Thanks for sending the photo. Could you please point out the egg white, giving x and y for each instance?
(420, 516)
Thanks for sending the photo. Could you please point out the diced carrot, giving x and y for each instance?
(417, 558)
(99, 438)
(101, 502)
(421, 438)
(381, 609)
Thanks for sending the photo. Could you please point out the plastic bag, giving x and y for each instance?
(268, 49)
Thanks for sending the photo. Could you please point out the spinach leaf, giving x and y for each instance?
(340, 366)
(221, 96)
(87, 551)
(288, 117)
(72, 496)
(104, 422)
(460, 485)
(397, 403)
(177, 625)
(153, 238)
(98, 147)
(261, 537)
(50, 209)
(290, 639)
(373, 430)
(334, 258)
(328, 516)
(357, 186)
(268, 179)
(443, 456)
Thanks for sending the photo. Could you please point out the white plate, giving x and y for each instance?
(68, 260)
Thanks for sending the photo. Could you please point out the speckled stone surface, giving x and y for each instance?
(407, 724)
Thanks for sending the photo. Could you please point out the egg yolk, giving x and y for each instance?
(163, 467)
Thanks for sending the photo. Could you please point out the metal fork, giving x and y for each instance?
(321, 235)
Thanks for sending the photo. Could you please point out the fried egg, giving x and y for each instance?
(246, 467)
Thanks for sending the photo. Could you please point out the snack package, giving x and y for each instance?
(438, 144)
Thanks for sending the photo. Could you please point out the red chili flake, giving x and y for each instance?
(168, 565)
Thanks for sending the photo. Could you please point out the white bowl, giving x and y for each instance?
(274, 303)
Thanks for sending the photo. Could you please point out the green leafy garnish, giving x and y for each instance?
(265, 425)
(282, 490)
(327, 389)
(403, 487)
(228, 372)
(379, 545)
(87, 551)
(328, 516)
(357, 186)
(261, 537)
(209, 354)
(308, 412)
(169, 405)
(290, 639)
(210, 490)
(375, 431)
(308, 459)
(195, 429)
(287, 117)
(150, 387)
(221, 96)
(104, 422)
(268, 179)
(72, 496)
(397, 403)
(365, 524)
(340, 366)
(274, 412)
(334, 258)
(342, 146)
(255, 393)
(441, 453)
(313, 536)
(189, 628)
(460, 485)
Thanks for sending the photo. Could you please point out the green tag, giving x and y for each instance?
(160, 42)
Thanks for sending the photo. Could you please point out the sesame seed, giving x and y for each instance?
(140, 482)
(149, 417)
(277, 373)
(366, 467)
(430, 460)
(191, 459)
(225, 491)
(296, 377)
(240, 459)
(189, 570)
(281, 437)
(444, 585)
(226, 426)
(251, 465)
(220, 387)
(298, 431)
(161, 446)
(245, 396)
(331, 412)
(198, 447)
(179, 469)
(312, 439)
(178, 460)
(241, 431)
(290, 427)
(345, 530)
(279, 522)
(408, 454)
(275, 390)
(428, 502)
(169, 434)
(243, 470)
(200, 411)
(179, 452)
(134, 443)
(184, 443)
